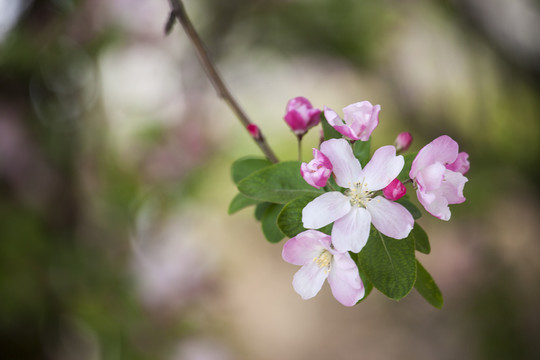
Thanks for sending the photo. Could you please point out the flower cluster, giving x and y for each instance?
(348, 214)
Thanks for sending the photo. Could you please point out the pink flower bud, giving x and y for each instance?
(395, 190)
(254, 131)
(403, 141)
(461, 164)
(301, 116)
(317, 171)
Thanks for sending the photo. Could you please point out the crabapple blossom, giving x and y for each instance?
(317, 171)
(301, 116)
(313, 251)
(403, 141)
(395, 190)
(360, 119)
(437, 174)
(353, 211)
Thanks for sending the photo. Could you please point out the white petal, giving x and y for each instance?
(443, 150)
(325, 209)
(350, 233)
(390, 218)
(383, 167)
(309, 279)
(345, 281)
(345, 166)
(332, 117)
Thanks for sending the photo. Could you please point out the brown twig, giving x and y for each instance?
(178, 11)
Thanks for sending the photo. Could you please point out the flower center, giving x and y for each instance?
(358, 194)
(324, 260)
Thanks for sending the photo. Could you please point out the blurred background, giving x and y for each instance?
(115, 241)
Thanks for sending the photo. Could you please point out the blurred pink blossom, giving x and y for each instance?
(403, 141)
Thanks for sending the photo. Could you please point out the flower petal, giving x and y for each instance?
(305, 246)
(332, 117)
(351, 232)
(383, 167)
(309, 279)
(325, 209)
(452, 187)
(435, 205)
(344, 280)
(390, 218)
(443, 149)
(344, 165)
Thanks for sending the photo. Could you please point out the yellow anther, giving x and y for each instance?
(324, 259)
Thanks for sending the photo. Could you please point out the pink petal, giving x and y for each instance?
(305, 246)
(332, 117)
(461, 164)
(395, 190)
(351, 232)
(345, 281)
(390, 218)
(345, 166)
(452, 187)
(347, 131)
(435, 205)
(309, 279)
(325, 209)
(443, 149)
(383, 167)
(430, 177)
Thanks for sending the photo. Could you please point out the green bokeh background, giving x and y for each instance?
(115, 241)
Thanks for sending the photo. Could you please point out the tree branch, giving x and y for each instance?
(178, 11)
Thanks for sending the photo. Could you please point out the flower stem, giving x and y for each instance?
(178, 11)
(299, 137)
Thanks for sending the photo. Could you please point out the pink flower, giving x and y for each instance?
(317, 171)
(301, 116)
(354, 211)
(313, 251)
(461, 164)
(403, 141)
(360, 120)
(254, 131)
(437, 183)
(395, 190)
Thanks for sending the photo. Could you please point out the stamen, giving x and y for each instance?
(324, 260)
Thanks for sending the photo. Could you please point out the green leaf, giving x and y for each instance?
(260, 209)
(421, 240)
(279, 183)
(427, 287)
(269, 226)
(290, 219)
(404, 174)
(328, 130)
(415, 212)
(389, 264)
(246, 166)
(361, 151)
(239, 202)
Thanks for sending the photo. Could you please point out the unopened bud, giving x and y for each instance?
(395, 190)
(403, 141)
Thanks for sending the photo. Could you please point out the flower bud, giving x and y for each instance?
(395, 190)
(317, 171)
(461, 164)
(403, 141)
(254, 131)
(301, 116)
